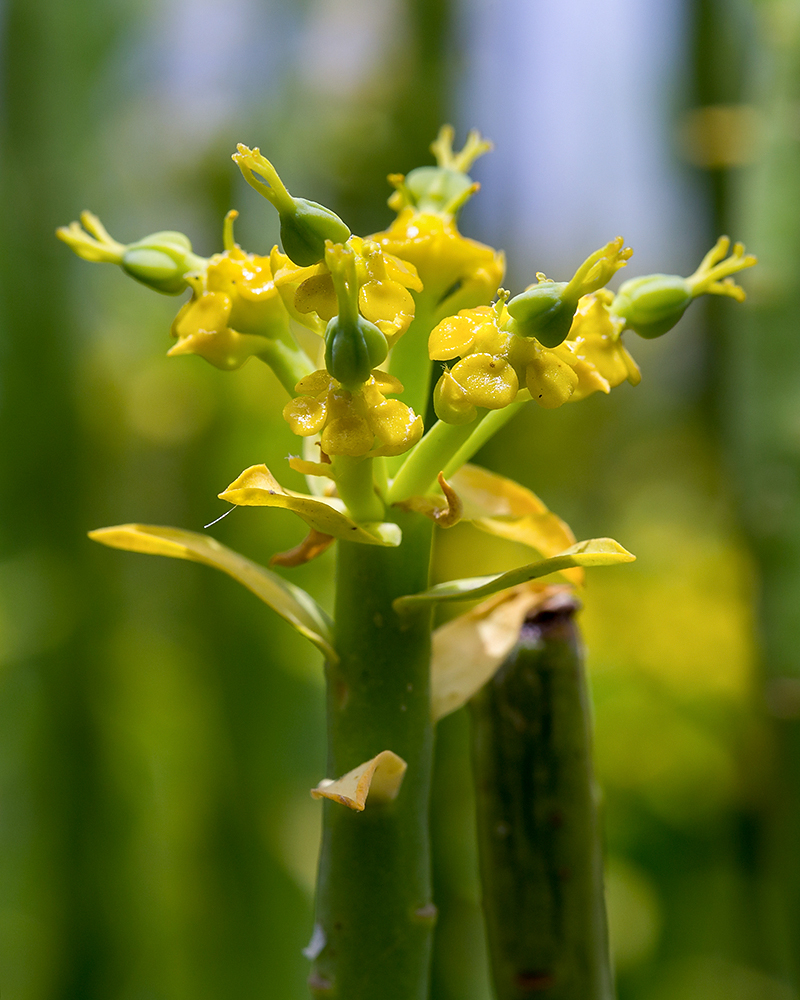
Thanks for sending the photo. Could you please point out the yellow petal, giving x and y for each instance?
(386, 302)
(454, 336)
(396, 425)
(487, 380)
(550, 381)
(467, 651)
(315, 383)
(305, 415)
(349, 434)
(317, 294)
(257, 487)
(592, 552)
(451, 403)
(291, 603)
(376, 780)
(386, 383)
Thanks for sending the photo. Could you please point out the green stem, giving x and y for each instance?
(538, 830)
(356, 486)
(427, 459)
(287, 360)
(374, 912)
(445, 448)
(489, 423)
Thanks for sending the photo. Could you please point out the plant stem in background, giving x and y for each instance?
(375, 915)
(763, 401)
(538, 829)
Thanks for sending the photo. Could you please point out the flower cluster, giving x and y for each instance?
(372, 306)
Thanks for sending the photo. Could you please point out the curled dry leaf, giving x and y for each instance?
(313, 545)
(468, 650)
(445, 510)
(378, 779)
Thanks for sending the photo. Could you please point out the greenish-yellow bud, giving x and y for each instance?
(353, 347)
(652, 305)
(161, 261)
(305, 229)
(434, 189)
(543, 311)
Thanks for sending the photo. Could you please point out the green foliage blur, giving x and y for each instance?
(159, 729)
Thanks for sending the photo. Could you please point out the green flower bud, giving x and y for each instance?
(443, 189)
(305, 230)
(160, 261)
(652, 305)
(353, 349)
(546, 310)
(437, 189)
(543, 311)
(305, 225)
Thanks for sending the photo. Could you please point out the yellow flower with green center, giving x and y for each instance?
(495, 362)
(235, 307)
(456, 272)
(383, 295)
(355, 423)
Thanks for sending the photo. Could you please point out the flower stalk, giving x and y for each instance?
(374, 909)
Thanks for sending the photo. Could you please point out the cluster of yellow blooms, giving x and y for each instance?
(419, 279)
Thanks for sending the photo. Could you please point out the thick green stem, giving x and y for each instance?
(287, 360)
(374, 911)
(538, 830)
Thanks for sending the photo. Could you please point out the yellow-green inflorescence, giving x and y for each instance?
(375, 304)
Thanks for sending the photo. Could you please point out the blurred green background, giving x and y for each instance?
(159, 730)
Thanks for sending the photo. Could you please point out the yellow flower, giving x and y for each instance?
(383, 296)
(456, 272)
(354, 423)
(234, 307)
(495, 362)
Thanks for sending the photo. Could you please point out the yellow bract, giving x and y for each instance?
(502, 507)
(290, 602)
(376, 780)
(234, 307)
(257, 487)
(354, 423)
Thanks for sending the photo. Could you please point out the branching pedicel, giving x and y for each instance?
(384, 307)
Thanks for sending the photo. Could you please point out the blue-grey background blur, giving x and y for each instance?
(159, 728)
